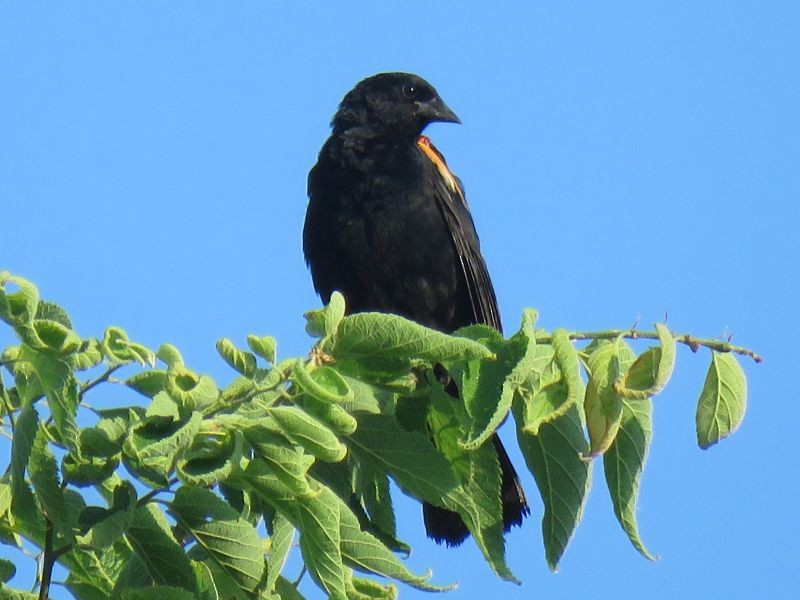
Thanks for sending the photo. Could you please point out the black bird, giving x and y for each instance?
(389, 227)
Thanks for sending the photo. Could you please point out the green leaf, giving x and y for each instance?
(280, 544)
(332, 415)
(17, 308)
(420, 471)
(364, 552)
(53, 312)
(309, 433)
(323, 323)
(152, 447)
(43, 473)
(210, 459)
(602, 405)
(623, 463)
(190, 390)
(265, 346)
(6, 593)
(50, 336)
(650, 372)
(372, 488)
(324, 383)
(158, 592)
(228, 540)
(723, 400)
(7, 570)
(238, 359)
(320, 540)
(169, 355)
(120, 350)
(289, 464)
(102, 527)
(488, 386)
(382, 336)
(162, 557)
(555, 457)
(60, 388)
(147, 383)
(87, 356)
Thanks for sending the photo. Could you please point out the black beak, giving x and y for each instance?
(436, 110)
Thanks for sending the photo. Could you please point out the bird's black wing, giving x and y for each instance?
(453, 205)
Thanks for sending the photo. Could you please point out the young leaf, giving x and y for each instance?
(265, 347)
(320, 541)
(648, 375)
(332, 415)
(324, 383)
(238, 359)
(309, 433)
(323, 323)
(723, 400)
(210, 459)
(118, 349)
(87, 356)
(43, 474)
(623, 463)
(147, 383)
(289, 464)
(602, 405)
(53, 312)
(17, 308)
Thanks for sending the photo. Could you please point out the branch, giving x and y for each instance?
(48, 561)
(694, 343)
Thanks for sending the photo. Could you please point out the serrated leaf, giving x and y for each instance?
(52, 311)
(419, 470)
(163, 558)
(364, 552)
(309, 433)
(102, 527)
(555, 457)
(227, 539)
(648, 375)
(278, 457)
(50, 336)
(265, 346)
(237, 359)
(384, 336)
(320, 540)
(623, 463)
(332, 415)
(372, 488)
(723, 400)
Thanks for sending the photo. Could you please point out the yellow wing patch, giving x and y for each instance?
(432, 153)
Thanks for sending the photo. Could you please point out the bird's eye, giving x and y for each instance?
(409, 91)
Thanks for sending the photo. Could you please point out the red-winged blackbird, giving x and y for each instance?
(389, 227)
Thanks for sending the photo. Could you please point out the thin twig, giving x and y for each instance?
(694, 343)
(102, 378)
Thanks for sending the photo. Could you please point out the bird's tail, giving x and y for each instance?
(446, 526)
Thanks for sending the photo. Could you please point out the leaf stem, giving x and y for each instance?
(694, 343)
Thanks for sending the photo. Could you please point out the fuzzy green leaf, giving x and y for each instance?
(723, 400)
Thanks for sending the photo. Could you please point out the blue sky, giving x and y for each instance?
(623, 161)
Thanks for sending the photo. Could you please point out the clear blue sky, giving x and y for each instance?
(623, 160)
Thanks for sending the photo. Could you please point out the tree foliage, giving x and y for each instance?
(166, 497)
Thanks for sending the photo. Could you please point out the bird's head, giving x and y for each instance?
(394, 105)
